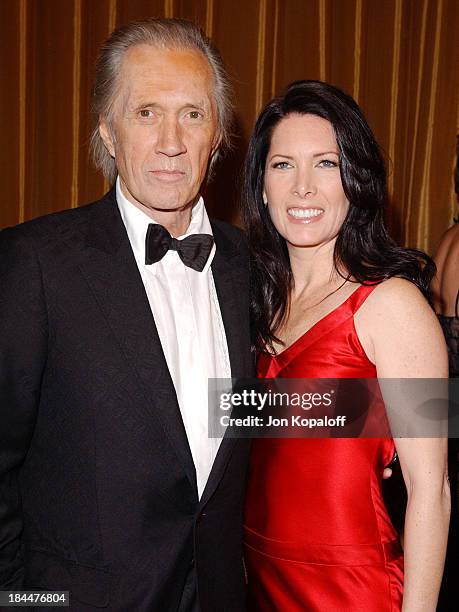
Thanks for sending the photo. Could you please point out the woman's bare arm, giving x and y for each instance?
(401, 335)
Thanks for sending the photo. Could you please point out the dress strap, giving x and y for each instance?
(360, 295)
(456, 304)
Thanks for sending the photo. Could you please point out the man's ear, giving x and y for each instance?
(106, 134)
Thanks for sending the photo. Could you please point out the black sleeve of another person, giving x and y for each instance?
(23, 345)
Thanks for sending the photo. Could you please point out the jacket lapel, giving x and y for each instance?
(112, 274)
(231, 277)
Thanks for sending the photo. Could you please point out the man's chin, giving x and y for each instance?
(172, 203)
(163, 209)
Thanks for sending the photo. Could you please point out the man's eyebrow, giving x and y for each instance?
(190, 104)
(198, 103)
(139, 105)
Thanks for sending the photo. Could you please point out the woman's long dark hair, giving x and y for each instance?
(363, 249)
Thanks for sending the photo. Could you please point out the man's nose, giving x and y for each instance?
(170, 141)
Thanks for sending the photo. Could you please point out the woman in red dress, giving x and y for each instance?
(334, 297)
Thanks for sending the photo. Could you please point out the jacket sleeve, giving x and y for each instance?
(23, 344)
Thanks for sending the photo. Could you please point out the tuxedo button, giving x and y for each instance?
(192, 563)
(200, 517)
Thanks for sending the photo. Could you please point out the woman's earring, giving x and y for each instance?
(265, 200)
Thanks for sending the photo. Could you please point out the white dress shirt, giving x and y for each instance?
(187, 315)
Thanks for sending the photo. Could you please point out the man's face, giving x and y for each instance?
(164, 127)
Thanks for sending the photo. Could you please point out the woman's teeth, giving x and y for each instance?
(304, 213)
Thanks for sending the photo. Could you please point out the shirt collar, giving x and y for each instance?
(137, 222)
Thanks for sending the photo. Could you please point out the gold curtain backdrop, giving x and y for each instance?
(398, 58)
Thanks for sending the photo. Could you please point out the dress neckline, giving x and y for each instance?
(325, 318)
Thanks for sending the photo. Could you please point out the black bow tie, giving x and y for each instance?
(193, 250)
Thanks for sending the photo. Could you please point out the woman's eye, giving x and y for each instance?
(194, 115)
(327, 163)
(281, 165)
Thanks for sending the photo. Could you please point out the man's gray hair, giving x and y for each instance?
(165, 34)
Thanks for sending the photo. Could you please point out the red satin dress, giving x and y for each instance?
(317, 535)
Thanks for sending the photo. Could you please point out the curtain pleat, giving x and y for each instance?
(398, 58)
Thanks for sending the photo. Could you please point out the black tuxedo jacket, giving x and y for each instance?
(98, 490)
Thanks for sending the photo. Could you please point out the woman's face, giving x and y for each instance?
(302, 184)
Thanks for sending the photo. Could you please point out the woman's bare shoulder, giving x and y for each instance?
(401, 331)
(394, 294)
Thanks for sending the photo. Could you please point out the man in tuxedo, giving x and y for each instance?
(112, 318)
